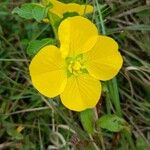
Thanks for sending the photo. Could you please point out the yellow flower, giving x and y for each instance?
(73, 71)
(60, 8)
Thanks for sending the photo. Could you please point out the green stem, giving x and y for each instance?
(52, 22)
(108, 103)
(112, 84)
(128, 136)
(99, 132)
(101, 18)
(114, 94)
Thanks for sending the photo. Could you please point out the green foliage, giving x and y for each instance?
(112, 123)
(87, 119)
(32, 11)
(141, 144)
(14, 134)
(144, 13)
(36, 45)
(21, 104)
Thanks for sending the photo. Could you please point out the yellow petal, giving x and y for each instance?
(80, 9)
(47, 71)
(81, 92)
(77, 35)
(58, 8)
(104, 60)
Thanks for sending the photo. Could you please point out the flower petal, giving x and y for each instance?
(80, 9)
(81, 92)
(58, 8)
(104, 60)
(47, 71)
(77, 35)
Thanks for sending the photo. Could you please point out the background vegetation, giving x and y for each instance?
(30, 121)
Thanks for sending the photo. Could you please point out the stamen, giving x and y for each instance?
(75, 65)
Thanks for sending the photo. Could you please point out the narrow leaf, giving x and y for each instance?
(87, 120)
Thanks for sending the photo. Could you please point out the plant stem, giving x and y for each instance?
(101, 18)
(99, 131)
(113, 93)
(112, 84)
(94, 144)
(51, 20)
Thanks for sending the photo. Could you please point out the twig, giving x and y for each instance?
(28, 110)
(99, 131)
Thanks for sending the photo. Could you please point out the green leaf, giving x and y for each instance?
(36, 45)
(112, 123)
(87, 120)
(13, 133)
(25, 11)
(144, 13)
(38, 13)
(32, 11)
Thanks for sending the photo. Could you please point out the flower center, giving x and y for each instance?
(75, 65)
